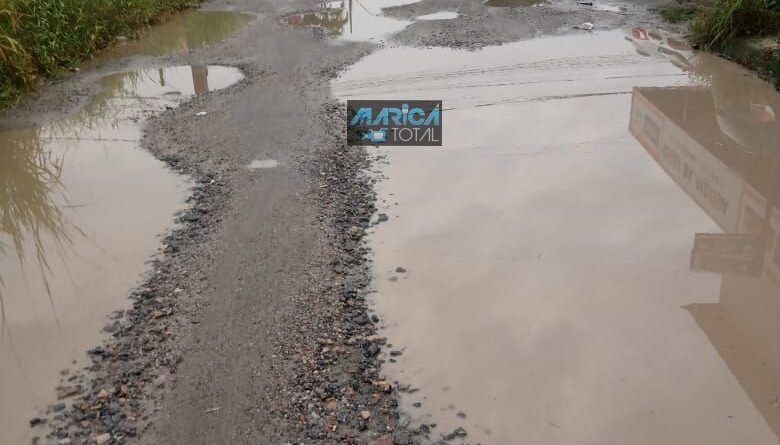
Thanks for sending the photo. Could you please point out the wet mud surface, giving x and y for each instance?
(254, 325)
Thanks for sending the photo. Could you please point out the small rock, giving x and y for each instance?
(401, 438)
(58, 407)
(65, 441)
(35, 421)
(67, 391)
(460, 432)
(159, 382)
(102, 394)
(461, 414)
(365, 414)
(111, 327)
(102, 439)
(383, 385)
(400, 269)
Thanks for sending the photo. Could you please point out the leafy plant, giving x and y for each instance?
(717, 27)
(679, 13)
(46, 37)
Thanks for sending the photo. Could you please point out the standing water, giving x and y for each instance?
(592, 256)
(353, 20)
(82, 207)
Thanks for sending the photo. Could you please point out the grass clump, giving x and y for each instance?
(775, 67)
(40, 38)
(716, 27)
(679, 13)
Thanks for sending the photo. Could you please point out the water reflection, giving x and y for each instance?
(352, 19)
(718, 140)
(548, 257)
(29, 177)
(77, 226)
(332, 17)
(182, 33)
(514, 3)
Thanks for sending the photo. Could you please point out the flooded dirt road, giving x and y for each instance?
(588, 259)
(78, 229)
(592, 255)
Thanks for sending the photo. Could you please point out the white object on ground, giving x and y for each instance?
(262, 163)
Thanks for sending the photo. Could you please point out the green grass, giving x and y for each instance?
(734, 28)
(44, 38)
(716, 27)
(679, 13)
(775, 66)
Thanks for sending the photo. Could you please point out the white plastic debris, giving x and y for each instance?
(587, 26)
(262, 163)
(200, 113)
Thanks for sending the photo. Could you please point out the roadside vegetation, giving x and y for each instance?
(745, 30)
(717, 26)
(45, 38)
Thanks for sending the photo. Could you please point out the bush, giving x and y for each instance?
(715, 28)
(679, 13)
(43, 37)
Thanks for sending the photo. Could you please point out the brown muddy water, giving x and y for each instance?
(188, 31)
(82, 209)
(514, 3)
(592, 256)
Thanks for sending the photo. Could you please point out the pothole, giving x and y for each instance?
(81, 209)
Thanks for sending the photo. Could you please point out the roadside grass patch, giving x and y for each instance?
(775, 68)
(44, 38)
(716, 27)
(679, 13)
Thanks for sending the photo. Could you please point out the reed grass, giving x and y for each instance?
(44, 38)
(716, 27)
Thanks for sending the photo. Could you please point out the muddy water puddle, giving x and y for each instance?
(353, 19)
(515, 3)
(183, 33)
(82, 208)
(592, 256)
(441, 15)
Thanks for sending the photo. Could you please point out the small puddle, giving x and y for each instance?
(353, 19)
(592, 257)
(442, 15)
(185, 32)
(514, 3)
(82, 207)
(260, 164)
